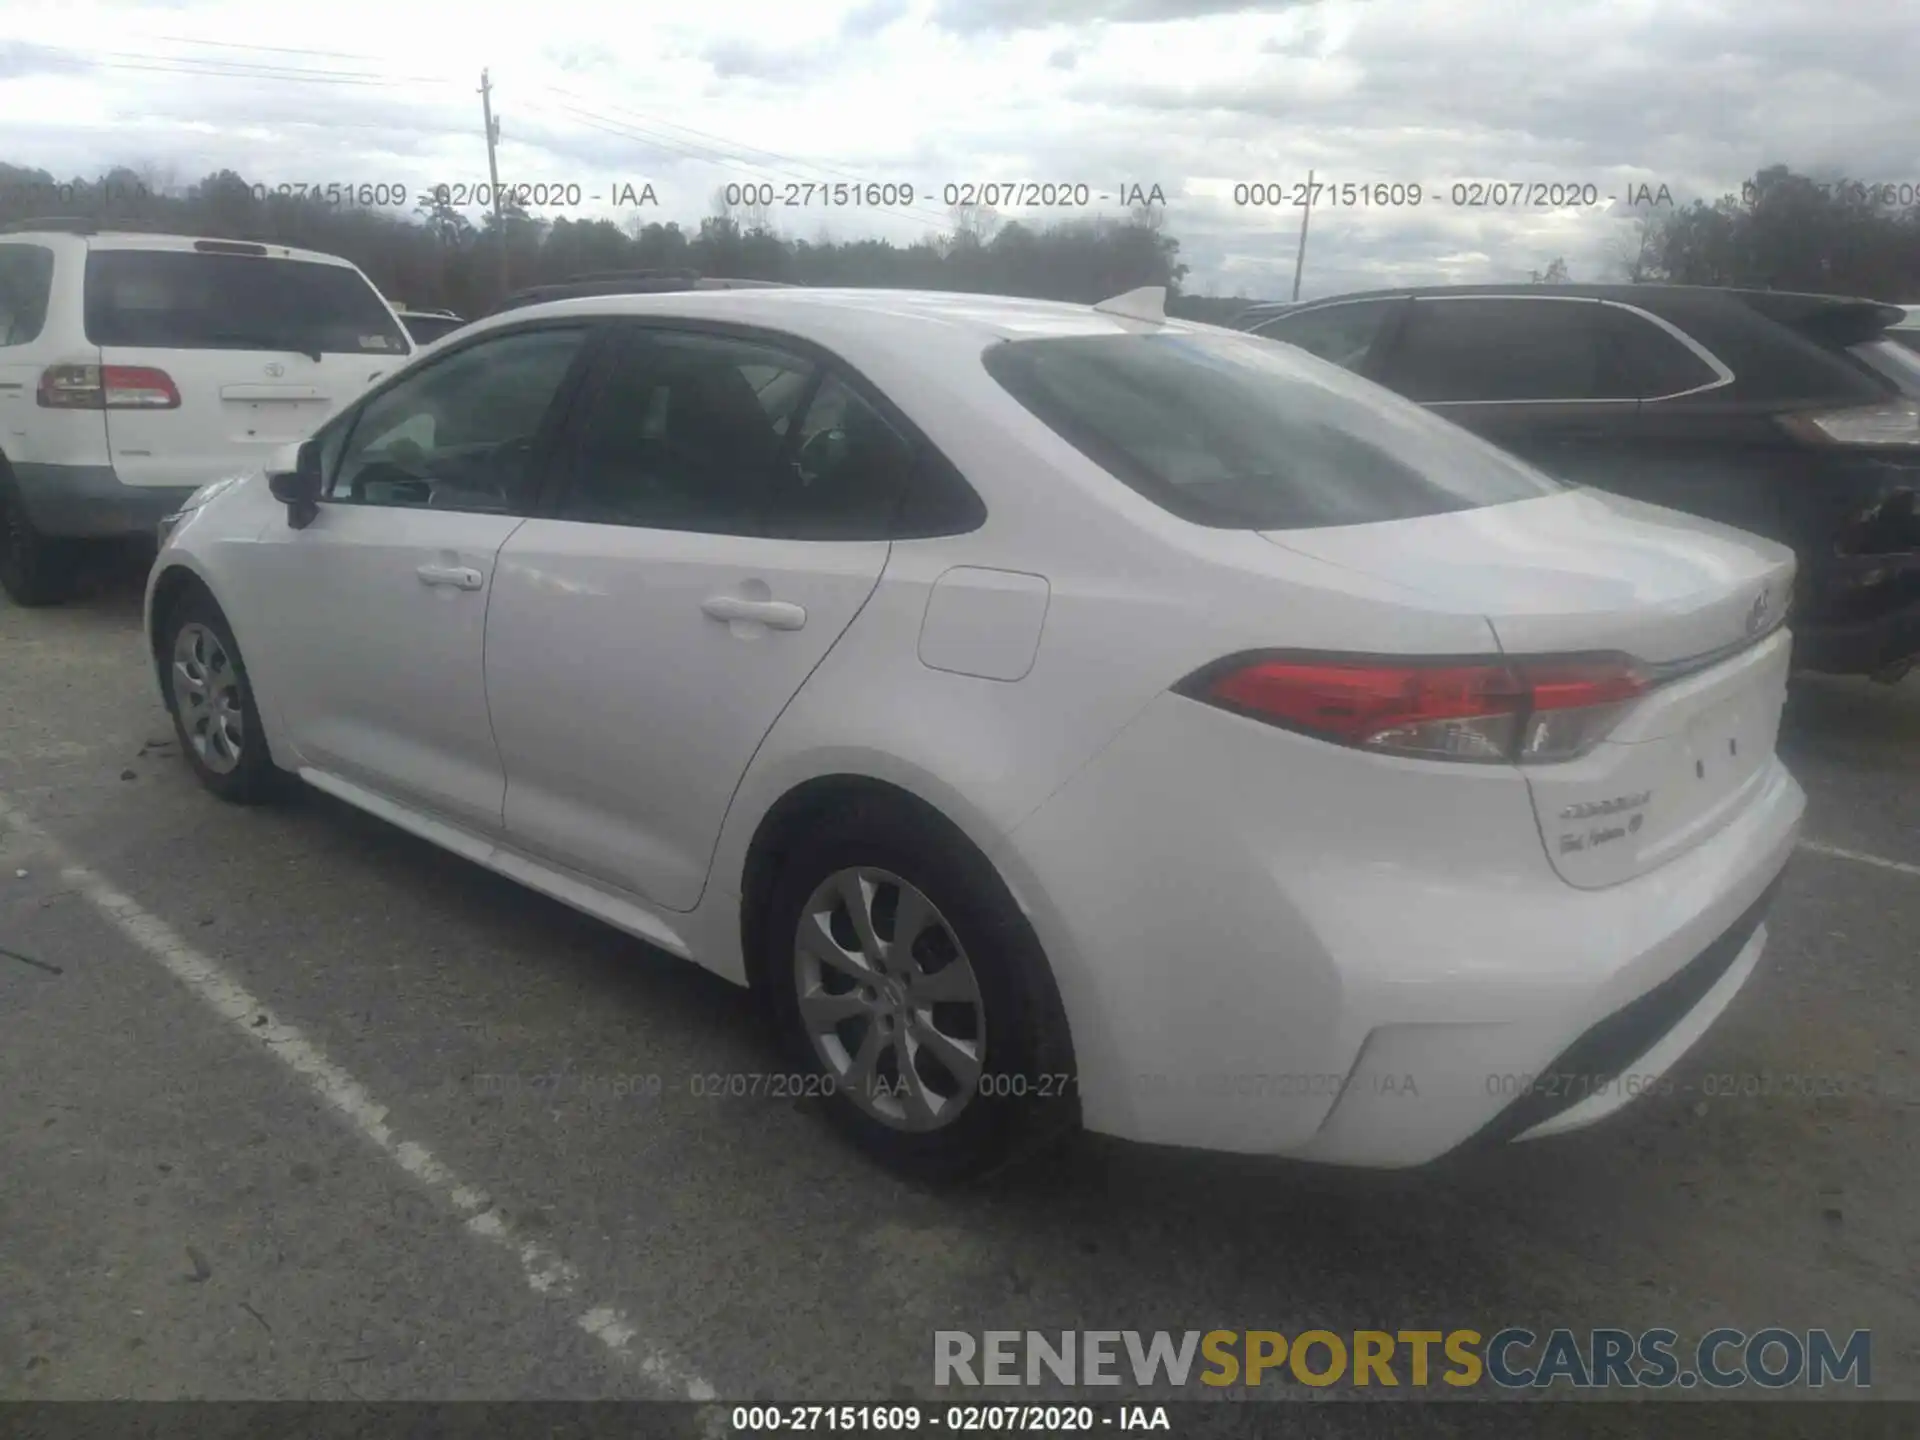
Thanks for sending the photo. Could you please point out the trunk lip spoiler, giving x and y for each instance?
(1667, 672)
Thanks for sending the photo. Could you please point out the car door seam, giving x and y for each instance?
(486, 686)
(706, 879)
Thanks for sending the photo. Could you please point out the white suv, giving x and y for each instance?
(136, 368)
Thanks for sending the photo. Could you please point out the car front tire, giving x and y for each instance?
(913, 996)
(211, 699)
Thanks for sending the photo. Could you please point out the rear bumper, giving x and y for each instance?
(90, 502)
(1628, 1053)
(1267, 945)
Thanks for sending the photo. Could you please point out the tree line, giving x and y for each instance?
(1780, 230)
(434, 257)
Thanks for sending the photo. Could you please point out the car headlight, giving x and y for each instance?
(168, 523)
(207, 492)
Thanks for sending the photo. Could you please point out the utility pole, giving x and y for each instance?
(493, 174)
(1300, 259)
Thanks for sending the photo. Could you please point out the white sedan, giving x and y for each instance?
(1060, 715)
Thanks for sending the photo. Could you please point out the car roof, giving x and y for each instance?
(1620, 290)
(824, 313)
(1790, 307)
(76, 233)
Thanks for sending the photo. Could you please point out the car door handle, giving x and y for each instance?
(774, 614)
(458, 576)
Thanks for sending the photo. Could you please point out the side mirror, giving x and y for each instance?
(299, 488)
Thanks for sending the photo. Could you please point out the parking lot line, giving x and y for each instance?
(545, 1271)
(1820, 848)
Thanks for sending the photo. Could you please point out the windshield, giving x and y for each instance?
(190, 300)
(1245, 433)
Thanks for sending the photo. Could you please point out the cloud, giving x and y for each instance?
(970, 17)
(733, 58)
(873, 17)
(19, 60)
(1193, 95)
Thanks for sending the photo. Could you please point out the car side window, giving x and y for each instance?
(847, 473)
(1494, 348)
(459, 434)
(1652, 363)
(1344, 334)
(684, 431)
(26, 282)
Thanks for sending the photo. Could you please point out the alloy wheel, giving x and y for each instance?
(206, 692)
(889, 1000)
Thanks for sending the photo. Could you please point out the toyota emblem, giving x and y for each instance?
(276, 369)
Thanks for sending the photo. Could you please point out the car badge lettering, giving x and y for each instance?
(1588, 809)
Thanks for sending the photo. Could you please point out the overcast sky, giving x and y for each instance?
(1193, 95)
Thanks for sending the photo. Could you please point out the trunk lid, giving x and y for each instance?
(1698, 603)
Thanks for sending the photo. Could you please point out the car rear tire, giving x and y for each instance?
(35, 569)
(947, 1059)
(213, 706)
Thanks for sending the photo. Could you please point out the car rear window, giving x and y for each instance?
(189, 300)
(1243, 434)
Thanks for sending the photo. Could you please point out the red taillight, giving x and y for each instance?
(107, 387)
(1496, 710)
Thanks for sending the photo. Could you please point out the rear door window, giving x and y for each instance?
(1499, 348)
(1234, 433)
(192, 300)
(684, 431)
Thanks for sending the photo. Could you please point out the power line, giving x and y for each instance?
(714, 155)
(732, 146)
(276, 49)
(223, 69)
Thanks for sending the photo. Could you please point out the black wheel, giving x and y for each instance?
(905, 981)
(35, 569)
(211, 699)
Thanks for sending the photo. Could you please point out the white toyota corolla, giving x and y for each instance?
(1060, 715)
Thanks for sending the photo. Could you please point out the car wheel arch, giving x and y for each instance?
(804, 806)
(180, 578)
(170, 587)
(784, 824)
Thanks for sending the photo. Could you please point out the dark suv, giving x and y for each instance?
(1788, 415)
